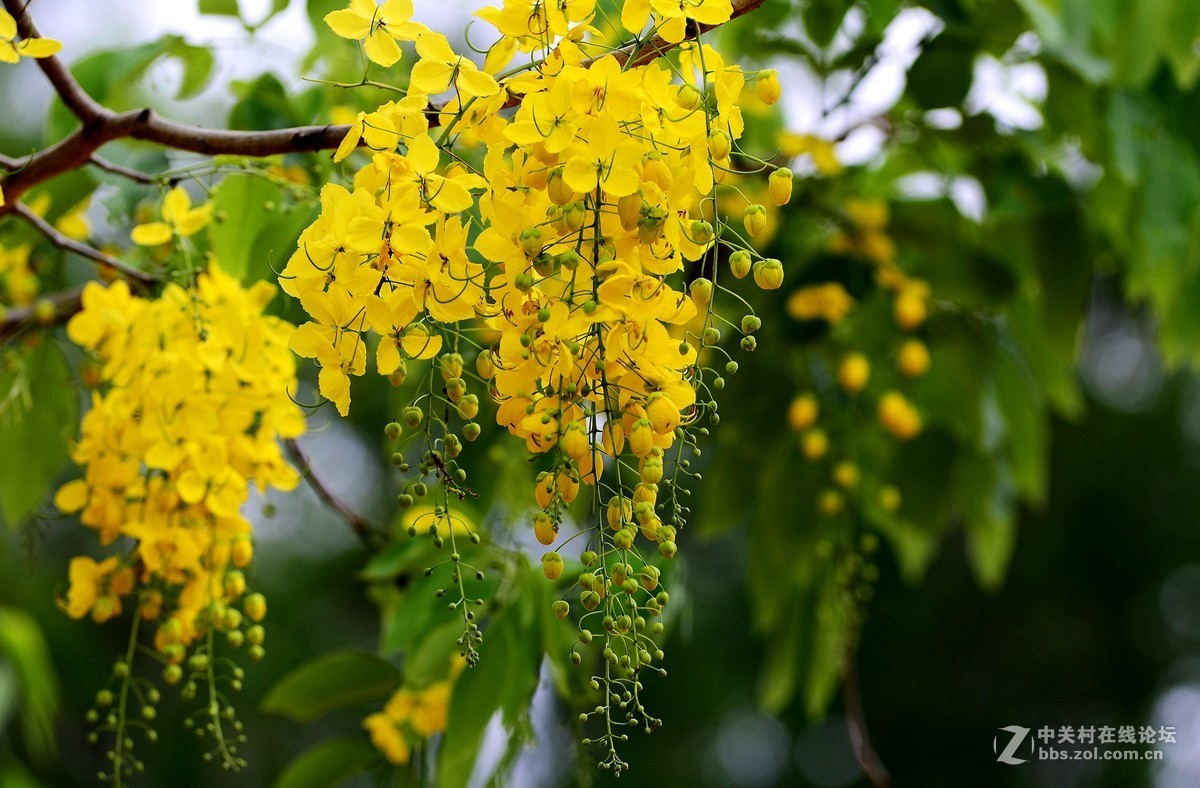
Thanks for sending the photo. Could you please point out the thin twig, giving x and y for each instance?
(122, 170)
(51, 310)
(83, 250)
(860, 738)
(361, 527)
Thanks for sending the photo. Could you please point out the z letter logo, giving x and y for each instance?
(1009, 754)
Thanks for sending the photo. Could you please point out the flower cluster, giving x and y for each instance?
(865, 236)
(580, 233)
(412, 715)
(192, 398)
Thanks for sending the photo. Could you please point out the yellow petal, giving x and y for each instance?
(72, 496)
(348, 24)
(39, 47)
(193, 221)
(350, 141)
(382, 49)
(423, 154)
(580, 174)
(191, 486)
(175, 204)
(8, 25)
(152, 234)
(418, 344)
(431, 76)
(474, 82)
(335, 387)
(451, 197)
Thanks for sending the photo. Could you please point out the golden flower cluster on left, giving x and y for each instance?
(191, 403)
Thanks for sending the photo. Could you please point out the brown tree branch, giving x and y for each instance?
(361, 527)
(83, 250)
(87, 109)
(58, 308)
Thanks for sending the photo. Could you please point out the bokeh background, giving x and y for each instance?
(1001, 136)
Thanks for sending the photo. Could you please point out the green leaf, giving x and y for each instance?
(430, 660)
(253, 235)
(23, 648)
(39, 409)
(1025, 421)
(328, 763)
(1065, 30)
(239, 199)
(220, 7)
(504, 680)
(343, 678)
(262, 104)
(112, 76)
(197, 62)
(941, 75)
(983, 493)
(822, 18)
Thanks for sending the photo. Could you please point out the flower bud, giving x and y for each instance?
(719, 144)
(641, 437)
(574, 441)
(739, 263)
(767, 86)
(913, 358)
(854, 372)
(701, 291)
(814, 444)
(688, 96)
(531, 241)
(544, 528)
(803, 412)
(552, 566)
(574, 215)
(557, 189)
(755, 220)
(484, 365)
(629, 209)
(768, 274)
(779, 184)
(255, 607)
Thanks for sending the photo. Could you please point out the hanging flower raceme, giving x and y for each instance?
(570, 231)
(191, 403)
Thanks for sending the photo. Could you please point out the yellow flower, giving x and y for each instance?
(12, 50)
(440, 66)
(88, 587)
(210, 358)
(178, 218)
(378, 27)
